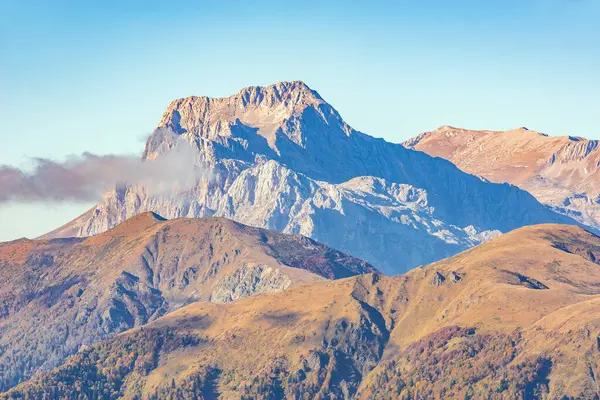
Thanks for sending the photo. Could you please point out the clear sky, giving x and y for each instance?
(81, 76)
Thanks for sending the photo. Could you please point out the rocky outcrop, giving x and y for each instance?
(520, 279)
(249, 281)
(438, 279)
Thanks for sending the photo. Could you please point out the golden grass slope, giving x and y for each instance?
(61, 294)
(517, 317)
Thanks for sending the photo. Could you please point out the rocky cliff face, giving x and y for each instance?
(58, 296)
(280, 157)
(563, 172)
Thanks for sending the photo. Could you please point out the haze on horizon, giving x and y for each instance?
(78, 78)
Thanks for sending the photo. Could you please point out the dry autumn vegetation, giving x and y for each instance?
(58, 296)
(517, 317)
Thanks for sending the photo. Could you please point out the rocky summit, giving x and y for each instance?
(280, 157)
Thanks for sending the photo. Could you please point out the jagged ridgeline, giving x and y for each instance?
(516, 317)
(280, 157)
(60, 295)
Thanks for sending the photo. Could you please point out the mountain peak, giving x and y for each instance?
(447, 128)
(283, 89)
(247, 118)
(561, 171)
(525, 130)
(234, 138)
(262, 107)
(137, 223)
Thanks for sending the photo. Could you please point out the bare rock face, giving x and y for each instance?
(438, 279)
(131, 302)
(455, 277)
(280, 157)
(248, 281)
(562, 172)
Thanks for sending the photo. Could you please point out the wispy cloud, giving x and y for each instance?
(84, 177)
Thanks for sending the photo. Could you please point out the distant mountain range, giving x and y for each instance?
(516, 317)
(58, 296)
(563, 172)
(280, 157)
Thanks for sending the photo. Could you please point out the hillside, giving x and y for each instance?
(563, 172)
(59, 295)
(516, 317)
(280, 157)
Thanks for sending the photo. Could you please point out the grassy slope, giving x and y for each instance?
(516, 316)
(56, 295)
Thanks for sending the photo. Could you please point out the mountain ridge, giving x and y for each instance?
(562, 171)
(294, 158)
(60, 295)
(512, 318)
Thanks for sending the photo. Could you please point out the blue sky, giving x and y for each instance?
(81, 76)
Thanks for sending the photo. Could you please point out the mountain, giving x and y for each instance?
(58, 296)
(280, 157)
(516, 317)
(563, 172)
